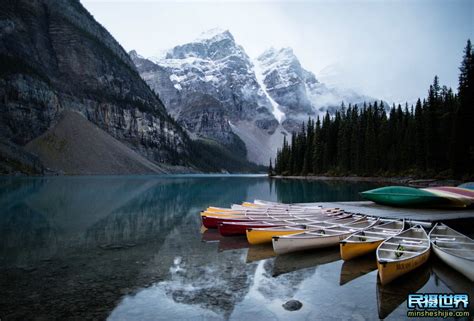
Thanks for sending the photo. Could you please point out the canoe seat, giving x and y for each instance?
(412, 242)
(408, 244)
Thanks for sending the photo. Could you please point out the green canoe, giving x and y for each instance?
(403, 196)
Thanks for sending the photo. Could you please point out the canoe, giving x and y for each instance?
(402, 253)
(231, 228)
(254, 206)
(468, 185)
(366, 241)
(452, 279)
(268, 203)
(391, 296)
(453, 248)
(240, 228)
(455, 199)
(265, 235)
(213, 220)
(268, 211)
(403, 196)
(456, 190)
(318, 238)
(464, 194)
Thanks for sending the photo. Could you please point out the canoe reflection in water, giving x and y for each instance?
(392, 295)
(352, 269)
(260, 252)
(225, 243)
(302, 260)
(454, 280)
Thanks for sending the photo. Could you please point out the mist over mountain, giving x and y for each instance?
(216, 91)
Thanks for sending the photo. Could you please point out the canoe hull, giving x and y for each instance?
(350, 250)
(401, 196)
(214, 221)
(289, 245)
(230, 229)
(462, 265)
(389, 271)
(255, 236)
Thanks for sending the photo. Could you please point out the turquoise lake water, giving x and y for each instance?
(132, 248)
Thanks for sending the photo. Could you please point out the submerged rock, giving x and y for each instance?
(292, 305)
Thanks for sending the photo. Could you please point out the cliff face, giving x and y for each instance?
(210, 88)
(54, 56)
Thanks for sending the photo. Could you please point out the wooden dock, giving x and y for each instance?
(416, 214)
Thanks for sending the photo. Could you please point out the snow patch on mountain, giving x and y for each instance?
(277, 112)
(213, 88)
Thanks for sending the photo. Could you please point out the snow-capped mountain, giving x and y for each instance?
(209, 87)
(296, 91)
(216, 91)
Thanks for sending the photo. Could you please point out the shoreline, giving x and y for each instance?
(410, 181)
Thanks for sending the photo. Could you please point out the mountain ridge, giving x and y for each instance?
(262, 99)
(55, 57)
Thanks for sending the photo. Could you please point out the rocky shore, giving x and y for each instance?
(409, 181)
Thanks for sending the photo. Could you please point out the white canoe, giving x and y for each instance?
(454, 248)
(318, 238)
(402, 253)
(269, 203)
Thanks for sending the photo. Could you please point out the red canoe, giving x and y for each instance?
(214, 221)
(456, 190)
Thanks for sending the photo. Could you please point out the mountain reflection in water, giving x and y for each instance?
(131, 248)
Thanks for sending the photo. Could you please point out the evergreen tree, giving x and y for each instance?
(462, 159)
(431, 137)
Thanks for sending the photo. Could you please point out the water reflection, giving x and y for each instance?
(352, 269)
(134, 246)
(303, 260)
(329, 191)
(392, 295)
(454, 280)
(260, 252)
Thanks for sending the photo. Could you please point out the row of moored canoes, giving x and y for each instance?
(299, 227)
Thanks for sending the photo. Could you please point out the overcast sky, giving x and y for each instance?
(386, 49)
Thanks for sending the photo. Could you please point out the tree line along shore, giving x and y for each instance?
(431, 139)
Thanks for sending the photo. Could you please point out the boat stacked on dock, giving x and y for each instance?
(301, 227)
(440, 196)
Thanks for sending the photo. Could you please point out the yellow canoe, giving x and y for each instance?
(367, 241)
(264, 235)
(222, 214)
(248, 204)
(220, 209)
(402, 253)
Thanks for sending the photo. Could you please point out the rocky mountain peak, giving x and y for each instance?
(215, 35)
(215, 45)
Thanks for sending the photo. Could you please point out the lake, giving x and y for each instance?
(132, 248)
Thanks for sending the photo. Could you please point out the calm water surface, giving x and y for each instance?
(131, 248)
